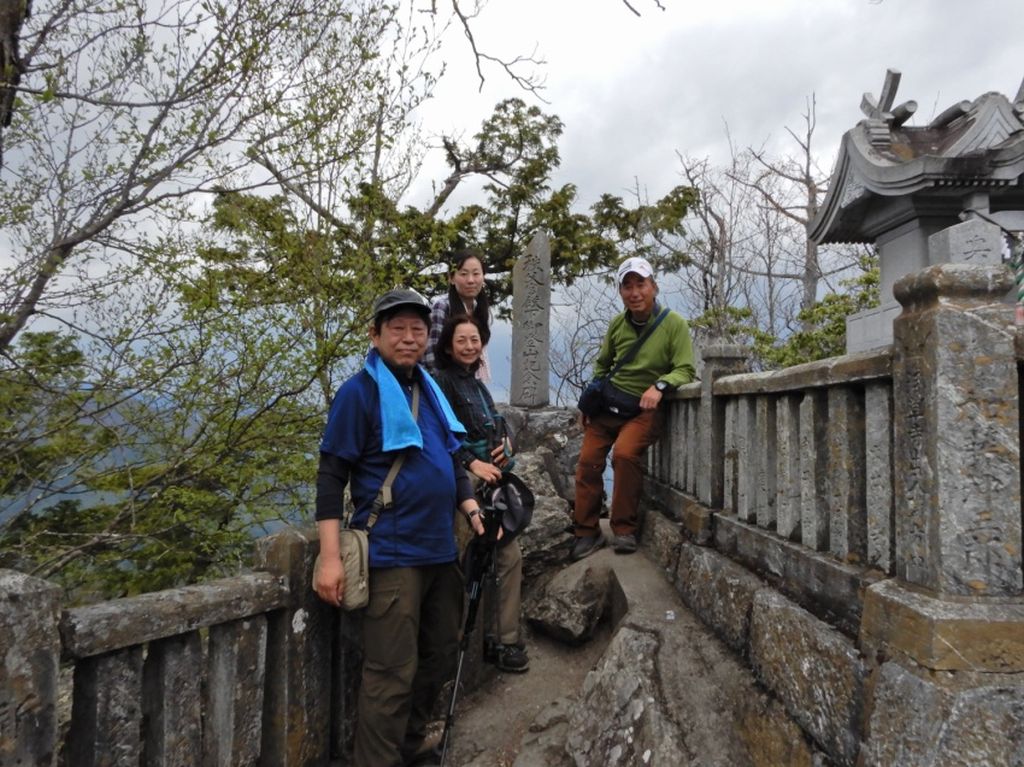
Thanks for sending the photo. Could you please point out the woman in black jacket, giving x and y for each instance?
(486, 452)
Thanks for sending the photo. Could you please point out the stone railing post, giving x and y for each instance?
(957, 440)
(297, 699)
(949, 629)
(719, 360)
(29, 658)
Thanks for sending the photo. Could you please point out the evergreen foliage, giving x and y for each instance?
(202, 202)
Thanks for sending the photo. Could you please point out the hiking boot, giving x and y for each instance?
(511, 658)
(584, 547)
(624, 544)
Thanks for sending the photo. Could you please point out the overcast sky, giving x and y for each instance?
(633, 92)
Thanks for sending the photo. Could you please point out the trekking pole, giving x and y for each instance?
(480, 565)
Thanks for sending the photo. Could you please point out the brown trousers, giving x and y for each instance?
(630, 439)
(410, 642)
(504, 624)
(503, 611)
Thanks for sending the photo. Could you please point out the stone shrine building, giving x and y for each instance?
(899, 187)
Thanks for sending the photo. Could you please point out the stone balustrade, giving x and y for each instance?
(853, 527)
(239, 671)
(804, 472)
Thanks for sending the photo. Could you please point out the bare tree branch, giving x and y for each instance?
(529, 82)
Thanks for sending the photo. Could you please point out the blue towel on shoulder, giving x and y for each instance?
(398, 429)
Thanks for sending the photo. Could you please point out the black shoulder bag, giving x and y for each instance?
(600, 395)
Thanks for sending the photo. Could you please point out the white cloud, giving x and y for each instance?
(632, 91)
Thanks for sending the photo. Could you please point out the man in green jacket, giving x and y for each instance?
(663, 363)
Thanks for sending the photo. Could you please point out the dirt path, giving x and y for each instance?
(492, 720)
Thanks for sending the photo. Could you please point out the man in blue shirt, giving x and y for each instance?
(411, 624)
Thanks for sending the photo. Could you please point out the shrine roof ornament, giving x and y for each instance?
(973, 146)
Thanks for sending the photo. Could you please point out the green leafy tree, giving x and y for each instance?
(516, 150)
(177, 414)
(823, 325)
(46, 438)
(178, 409)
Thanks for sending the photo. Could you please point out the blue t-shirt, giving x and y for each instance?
(418, 528)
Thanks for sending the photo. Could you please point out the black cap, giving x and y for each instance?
(517, 504)
(400, 298)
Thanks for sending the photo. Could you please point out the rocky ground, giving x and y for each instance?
(622, 673)
(492, 721)
(650, 685)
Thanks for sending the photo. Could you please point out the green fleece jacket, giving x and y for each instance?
(667, 355)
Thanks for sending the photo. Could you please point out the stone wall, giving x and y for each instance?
(863, 553)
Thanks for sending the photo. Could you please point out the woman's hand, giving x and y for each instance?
(501, 453)
(488, 472)
(474, 514)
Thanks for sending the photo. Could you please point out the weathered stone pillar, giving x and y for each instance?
(878, 474)
(172, 702)
(234, 701)
(106, 710)
(844, 434)
(814, 501)
(297, 701)
(787, 469)
(957, 436)
(531, 331)
(347, 662)
(29, 655)
(949, 630)
(719, 360)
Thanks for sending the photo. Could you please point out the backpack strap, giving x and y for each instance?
(384, 499)
(648, 331)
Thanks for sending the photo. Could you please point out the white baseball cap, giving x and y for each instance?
(636, 265)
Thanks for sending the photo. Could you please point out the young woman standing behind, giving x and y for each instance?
(467, 294)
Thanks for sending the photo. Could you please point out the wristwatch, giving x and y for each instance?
(661, 386)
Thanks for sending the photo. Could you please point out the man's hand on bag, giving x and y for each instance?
(650, 399)
(330, 580)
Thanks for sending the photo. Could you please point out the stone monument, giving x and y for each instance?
(956, 180)
(531, 332)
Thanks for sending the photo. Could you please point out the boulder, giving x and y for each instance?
(554, 434)
(545, 543)
(620, 718)
(569, 606)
